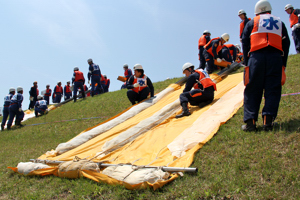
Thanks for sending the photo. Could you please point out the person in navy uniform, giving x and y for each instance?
(78, 81)
(139, 85)
(294, 24)
(7, 100)
(34, 92)
(203, 40)
(266, 42)
(15, 109)
(94, 75)
(57, 93)
(106, 83)
(203, 92)
(40, 106)
(47, 94)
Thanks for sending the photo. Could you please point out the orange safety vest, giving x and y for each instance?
(59, 89)
(68, 90)
(204, 80)
(37, 92)
(229, 46)
(242, 26)
(266, 32)
(79, 76)
(202, 41)
(293, 19)
(208, 46)
(48, 92)
(142, 81)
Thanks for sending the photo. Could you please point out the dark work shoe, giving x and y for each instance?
(2, 127)
(268, 122)
(183, 114)
(249, 126)
(8, 126)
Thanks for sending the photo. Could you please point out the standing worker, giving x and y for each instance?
(139, 85)
(78, 81)
(40, 106)
(203, 40)
(33, 93)
(295, 24)
(67, 91)
(15, 109)
(203, 93)
(242, 14)
(107, 83)
(7, 100)
(95, 75)
(47, 94)
(57, 92)
(127, 75)
(266, 41)
(212, 49)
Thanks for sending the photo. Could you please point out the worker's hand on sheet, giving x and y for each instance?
(136, 85)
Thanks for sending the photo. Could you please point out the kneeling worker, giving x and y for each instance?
(203, 93)
(40, 106)
(78, 81)
(139, 85)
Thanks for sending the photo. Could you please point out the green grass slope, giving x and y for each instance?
(232, 165)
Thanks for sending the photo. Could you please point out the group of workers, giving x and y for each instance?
(265, 44)
(13, 102)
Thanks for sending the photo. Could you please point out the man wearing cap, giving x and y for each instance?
(203, 40)
(40, 106)
(106, 83)
(212, 49)
(15, 109)
(78, 81)
(266, 41)
(95, 76)
(127, 74)
(57, 93)
(47, 94)
(294, 24)
(242, 14)
(67, 91)
(139, 85)
(7, 100)
(34, 92)
(203, 92)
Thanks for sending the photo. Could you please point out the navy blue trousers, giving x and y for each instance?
(265, 70)
(197, 96)
(5, 115)
(133, 96)
(14, 112)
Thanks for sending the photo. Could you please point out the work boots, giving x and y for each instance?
(249, 126)
(36, 114)
(268, 122)
(2, 127)
(8, 126)
(185, 111)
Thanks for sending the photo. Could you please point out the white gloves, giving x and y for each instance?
(219, 60)
(31, 98)
(296, 26)
(136, 85)
(20, 109)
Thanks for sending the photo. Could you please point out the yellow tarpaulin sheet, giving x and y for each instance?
(151, 148)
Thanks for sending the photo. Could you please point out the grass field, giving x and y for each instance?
(232, 165)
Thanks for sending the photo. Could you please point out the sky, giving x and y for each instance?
(43, 40)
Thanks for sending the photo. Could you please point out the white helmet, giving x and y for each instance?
(58, 82)
(125, 65)
(137, 66)
(76, 69)
(40, 97)
(241, 12)
(288, 6)
(225, 37)
(104, 76)
(12, 89)
(238, 46)
(90, 60)
(262, 6)
(186, 66)
(19, 89)
(206, 31)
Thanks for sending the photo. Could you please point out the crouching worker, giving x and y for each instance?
(203, 92)
(139, 85)
(40, 106)
(78, 81)
(15, 109)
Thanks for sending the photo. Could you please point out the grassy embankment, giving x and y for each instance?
(233, 164)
